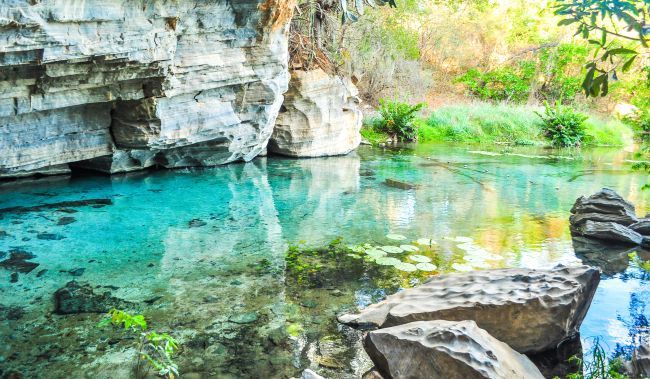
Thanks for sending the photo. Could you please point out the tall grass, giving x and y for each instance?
(508, 124)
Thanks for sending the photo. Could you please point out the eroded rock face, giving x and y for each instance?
(121, 86)
(445, 349)
(530, 310)
(641, 361)
(320, 117)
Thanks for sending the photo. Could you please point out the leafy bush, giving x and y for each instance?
(509, 83)
(397, 120)
(157, 349)
(562, 125)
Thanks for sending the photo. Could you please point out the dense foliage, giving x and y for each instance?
(397, 120)
(562, 125)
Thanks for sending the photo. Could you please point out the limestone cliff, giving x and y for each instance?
(320, 116)
(119, 85)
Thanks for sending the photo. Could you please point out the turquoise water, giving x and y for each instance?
(198, 251)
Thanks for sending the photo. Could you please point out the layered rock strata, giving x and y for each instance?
(445, 349)
(606, 216)
(530, 310)
(320, 116)
(120, 85)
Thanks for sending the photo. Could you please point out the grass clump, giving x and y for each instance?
(482, 123)
(599, 366)
(491, 123)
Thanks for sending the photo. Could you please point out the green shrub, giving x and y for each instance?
(562, 125)
(599, 366)
(397, 120)
(508, 83)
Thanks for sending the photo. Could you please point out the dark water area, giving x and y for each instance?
(202, 252)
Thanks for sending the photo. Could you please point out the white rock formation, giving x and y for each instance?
(320, 116)
(152, 82)
(445, 349)
(530, 310)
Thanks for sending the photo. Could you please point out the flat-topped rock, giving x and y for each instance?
(530, 310)
(608, 231)
(445, 349)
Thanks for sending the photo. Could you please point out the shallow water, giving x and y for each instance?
(220, 283)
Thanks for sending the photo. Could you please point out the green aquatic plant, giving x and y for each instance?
(157, 349)
(397, 119)
(638, 262)
(599, 366)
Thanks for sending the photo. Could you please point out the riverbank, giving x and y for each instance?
(506, 124)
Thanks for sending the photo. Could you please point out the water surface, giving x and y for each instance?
(201, 253)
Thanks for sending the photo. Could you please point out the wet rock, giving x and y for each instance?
(309, 374)
(195, 223)
(244, 318)
(62, 204)
(66, 220)
(77, 271)
(641, 227)
(81, 298)
(18, 261)
(445, 349)
(49, 236)
(399, 184)
(640, 363)
(11, 313)
(608, 231)
(605, 202)
(531, 310)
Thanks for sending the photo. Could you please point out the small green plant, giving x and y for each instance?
(397, 120)
(155, 348)
(562, 125)
(638, 262)
(599, 366)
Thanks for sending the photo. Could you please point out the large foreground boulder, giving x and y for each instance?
(445, 349)
(530, 310)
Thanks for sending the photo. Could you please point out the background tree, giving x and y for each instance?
(618, 28)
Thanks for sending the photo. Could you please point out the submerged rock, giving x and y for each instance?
(244, 318)
(18, 261)
(196, 223)
(66, 220)
(531, 310)
(81, 298)
(49, 236)
(399, 184)
(445, 349)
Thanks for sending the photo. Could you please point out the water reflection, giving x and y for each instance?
(201, 252)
